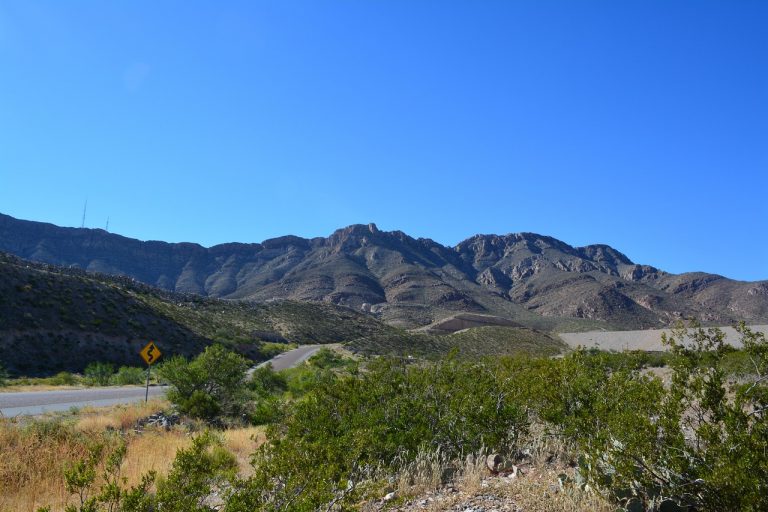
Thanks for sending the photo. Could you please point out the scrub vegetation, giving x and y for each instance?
(341, 434)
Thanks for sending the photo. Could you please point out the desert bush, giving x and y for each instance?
(265, 381)
(609, 414)
(196, 473)
(717, 459)
(99, 373)
(303, 379)
(634, 359)
(326, 358)
(64, 379)
(128, 375)
(268, 350)
(700, 444)
(331, 441)
(268, 388)
(211, 385)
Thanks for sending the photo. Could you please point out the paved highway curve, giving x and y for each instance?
(39, 402)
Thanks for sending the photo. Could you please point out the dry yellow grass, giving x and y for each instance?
(242, 442)
(540, 491)
(18, 388)
(97, 423)
(32, 463)
(36, 452)
(152, 451)
(121, 417)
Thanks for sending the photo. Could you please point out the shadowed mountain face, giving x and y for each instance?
(535, 280)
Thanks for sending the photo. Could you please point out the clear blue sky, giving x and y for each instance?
(641, 124)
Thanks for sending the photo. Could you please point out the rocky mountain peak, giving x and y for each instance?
(355, 236)
(601, 253)
(409, 281)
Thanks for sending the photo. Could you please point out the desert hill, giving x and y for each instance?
(54, 318)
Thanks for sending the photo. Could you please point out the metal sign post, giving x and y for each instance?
(150, 353)
(146, 392)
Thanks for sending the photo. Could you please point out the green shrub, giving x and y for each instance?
(99, 373)
(326, 358)
(303, 379)
(64, 379)
(265, 381)
(211, 385)
(268, 388)
(128, 375)
(195, 473)
(329, 442)
(723, 465)
(268, 349)
(267, 410)
(700, 444)
(609, 414)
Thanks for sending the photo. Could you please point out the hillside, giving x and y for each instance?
(534, 280)
(470, 343)
(55, 319)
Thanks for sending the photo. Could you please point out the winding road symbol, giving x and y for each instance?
(150, 353)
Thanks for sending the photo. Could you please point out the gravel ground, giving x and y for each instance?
(492, 496)
(532, 490)
(649, 339)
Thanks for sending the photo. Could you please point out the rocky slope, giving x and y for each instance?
(54, 319)
(534, 280)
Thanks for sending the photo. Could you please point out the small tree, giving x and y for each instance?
(211, 385)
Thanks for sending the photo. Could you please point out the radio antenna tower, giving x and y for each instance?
(107, 228)
(85, 207)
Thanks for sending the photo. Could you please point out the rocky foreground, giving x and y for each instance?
(542, 488)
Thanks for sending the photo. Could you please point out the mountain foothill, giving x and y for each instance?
(387, 277)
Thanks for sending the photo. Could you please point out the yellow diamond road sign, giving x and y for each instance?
(150, 353)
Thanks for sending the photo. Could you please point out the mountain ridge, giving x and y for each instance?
(533, 279)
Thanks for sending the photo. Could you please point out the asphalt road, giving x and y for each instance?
(39, 402)
(293, 357)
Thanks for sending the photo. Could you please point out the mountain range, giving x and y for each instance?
(534, 280)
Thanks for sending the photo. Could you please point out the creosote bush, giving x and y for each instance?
(700, 443)
(64, 379)
(196, 472)
(211, 385)
(330, 443)
(99, 373)
(128, 375)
